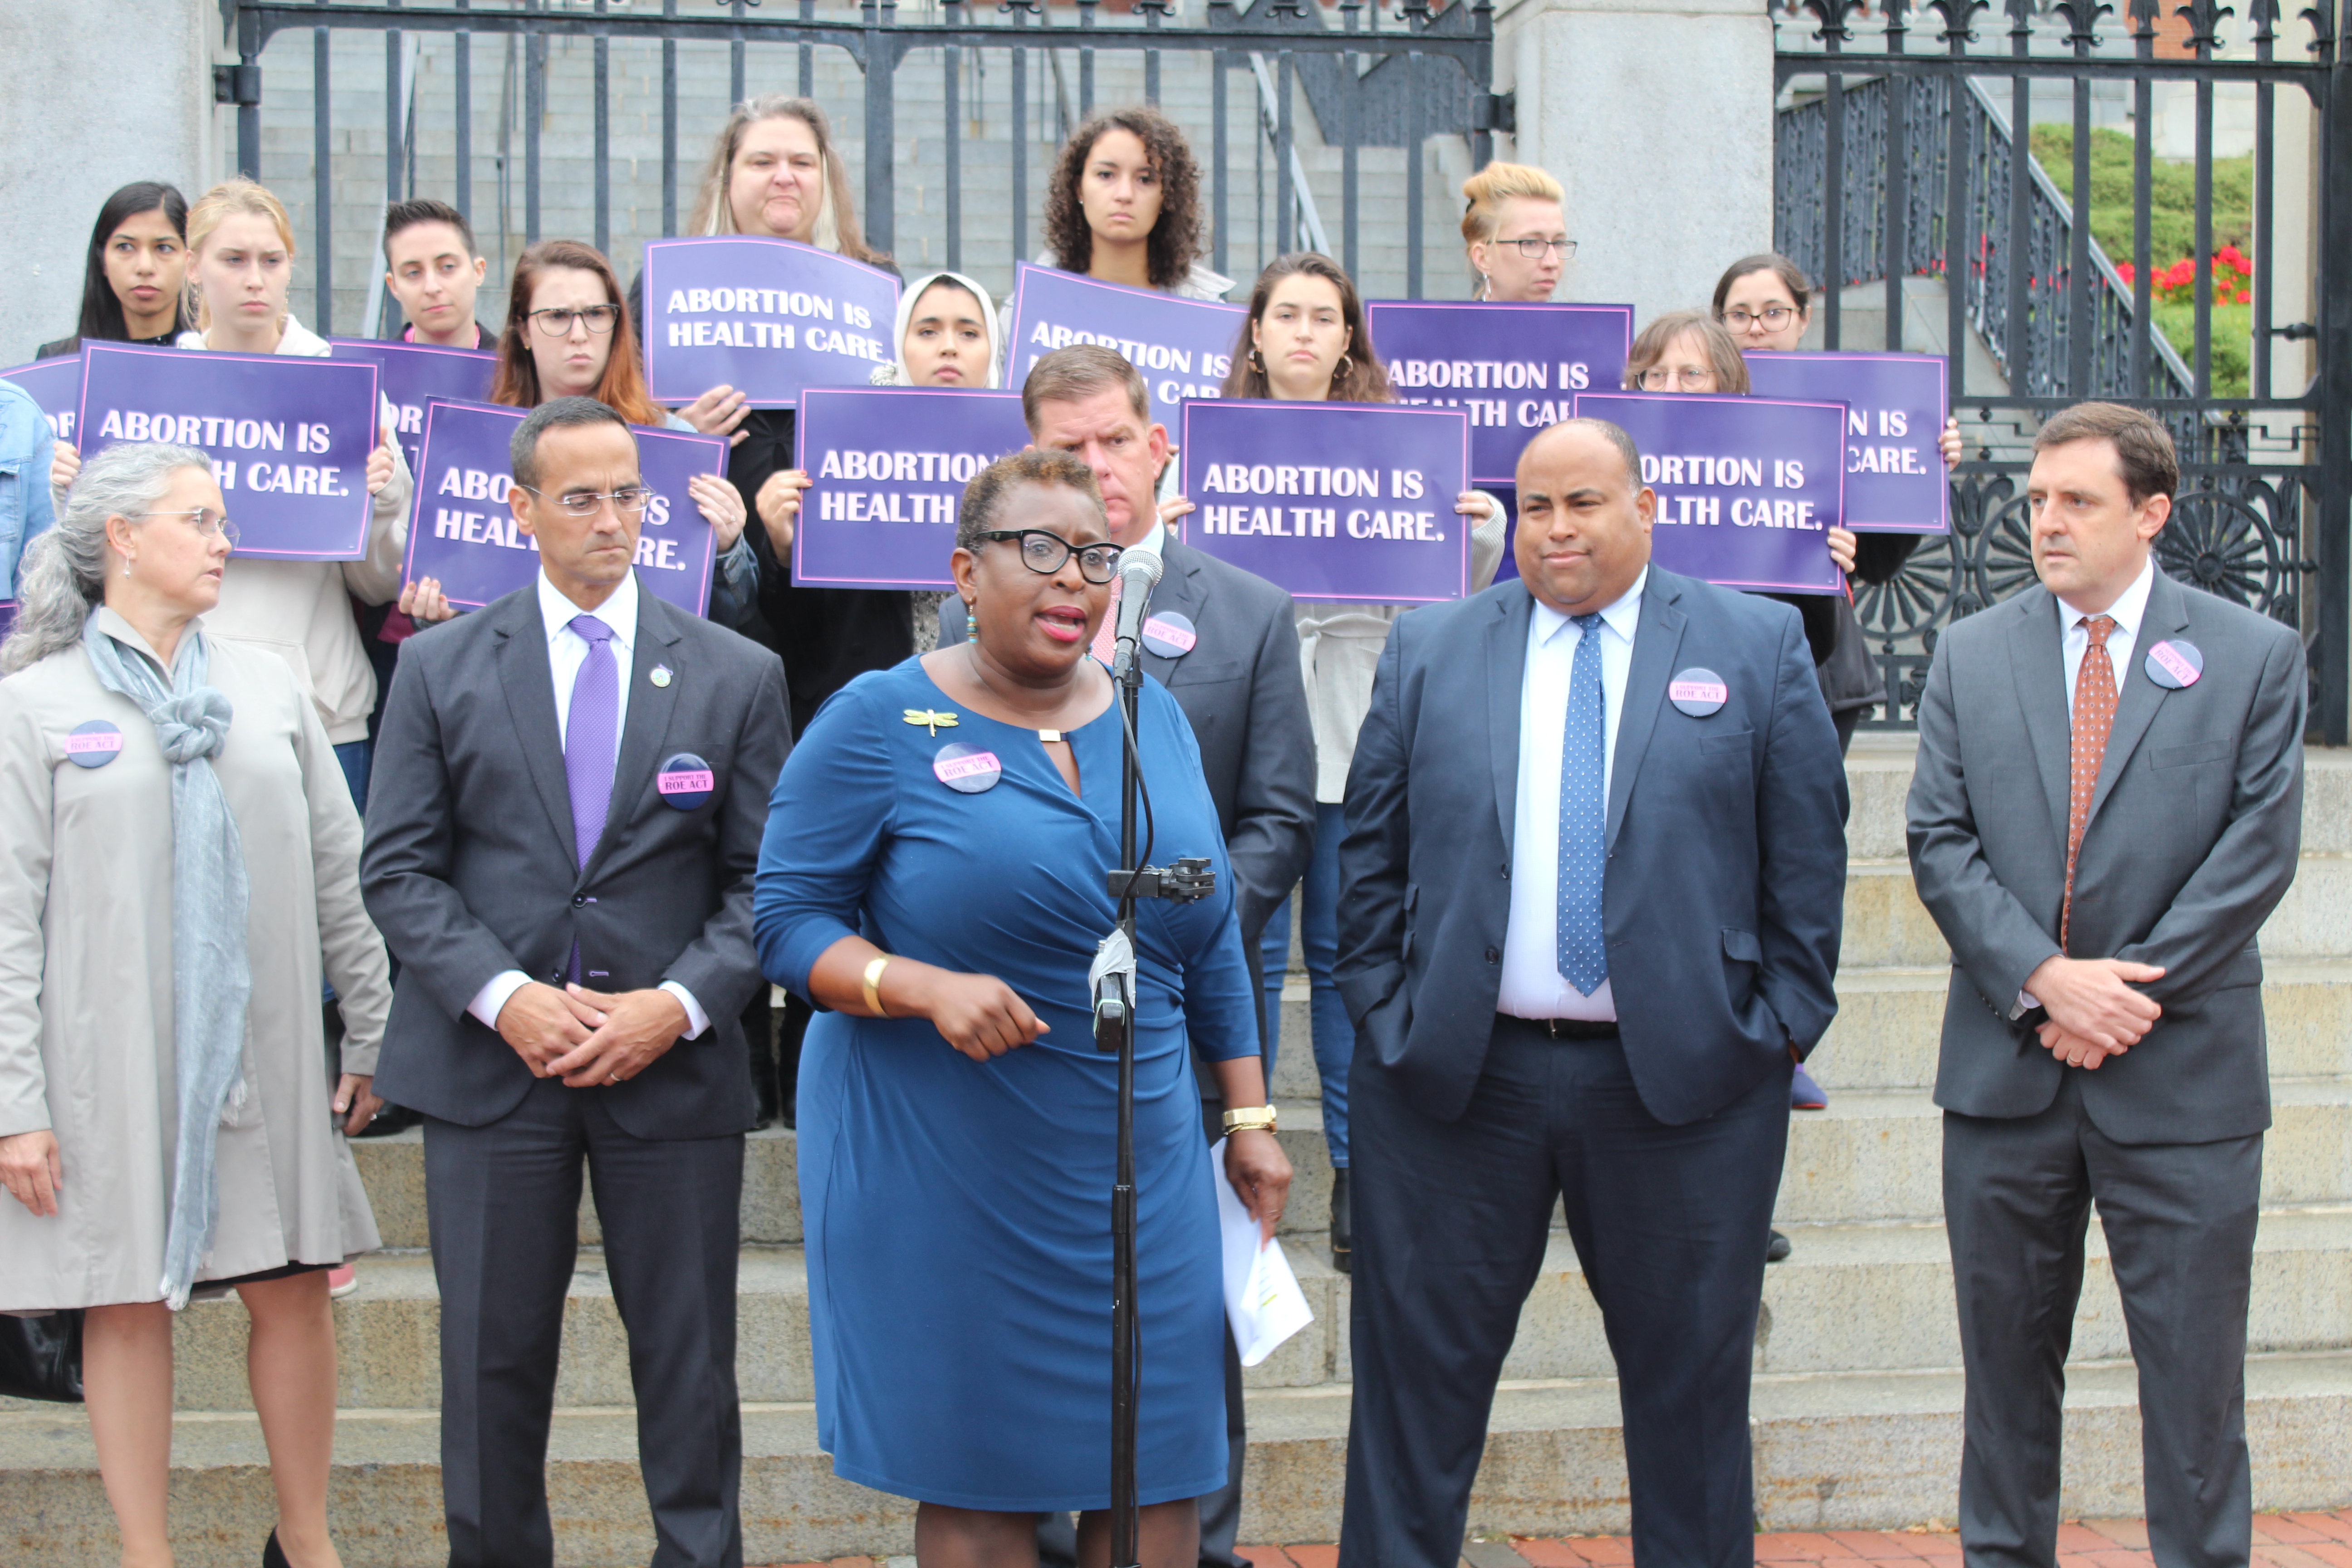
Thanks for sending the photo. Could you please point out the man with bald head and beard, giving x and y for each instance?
(1592, 891)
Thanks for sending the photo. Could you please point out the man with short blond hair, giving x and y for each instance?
(2108, 804)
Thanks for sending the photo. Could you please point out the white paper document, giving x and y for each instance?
(1263, 1301)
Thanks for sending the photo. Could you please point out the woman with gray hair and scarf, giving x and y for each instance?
(179, 858)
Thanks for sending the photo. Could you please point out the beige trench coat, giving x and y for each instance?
(85, 984)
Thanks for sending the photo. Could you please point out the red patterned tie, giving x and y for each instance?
(1106, 634)
(2095, 717)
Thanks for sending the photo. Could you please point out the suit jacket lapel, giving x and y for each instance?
(1656, 639)
(530, 704)
(1507, 667)
(2038, 666)
(647, 724)
(1180, 590)
(2139, 697)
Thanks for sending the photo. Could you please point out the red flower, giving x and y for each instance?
(2244, 296)
(2126, 271)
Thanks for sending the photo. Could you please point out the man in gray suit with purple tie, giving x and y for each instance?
(570, 787)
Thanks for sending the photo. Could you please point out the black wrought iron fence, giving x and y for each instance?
(1948, 187)
(1373, 78)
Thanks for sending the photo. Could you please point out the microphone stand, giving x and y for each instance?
(1189, 880)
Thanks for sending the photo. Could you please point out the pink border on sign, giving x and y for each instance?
(1374, 307)
(717, 443)
(1275, 409)
(800, 461)
(1943, 414)
(1024, 270)
(375, 405)
(654, 247)
(364, 347)
(1743, 398)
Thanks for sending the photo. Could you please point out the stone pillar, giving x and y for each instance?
(1656, 116)
(89, 109)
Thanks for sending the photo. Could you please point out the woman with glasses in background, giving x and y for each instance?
(568, 334)
(1514, 232)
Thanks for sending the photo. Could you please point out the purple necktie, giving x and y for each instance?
(590, 734)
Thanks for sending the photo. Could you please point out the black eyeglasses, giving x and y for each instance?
(1774, 318)
(1043, 552)
(556, 323)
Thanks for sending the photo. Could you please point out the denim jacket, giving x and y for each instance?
(25, 445)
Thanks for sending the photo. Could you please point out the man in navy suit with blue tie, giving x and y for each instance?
(1593, 879)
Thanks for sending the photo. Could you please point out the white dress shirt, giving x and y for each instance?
(1533, 987)
(2128, 610)
(567, 650)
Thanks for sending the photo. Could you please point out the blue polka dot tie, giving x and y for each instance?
(1583, 812)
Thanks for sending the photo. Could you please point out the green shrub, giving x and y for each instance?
(2172, 232)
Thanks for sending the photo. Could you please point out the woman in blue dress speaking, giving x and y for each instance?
(932, 880)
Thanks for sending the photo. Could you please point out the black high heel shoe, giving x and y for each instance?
(274, 1555)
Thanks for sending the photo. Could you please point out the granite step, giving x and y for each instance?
(1852, 1298)
(1864, 1450)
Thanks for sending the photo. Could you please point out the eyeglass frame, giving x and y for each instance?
(225, 528)
(1764, 315)
(1069, 551)
(1673, 376)
(620, 508)
(580, 312)
(1566, 248)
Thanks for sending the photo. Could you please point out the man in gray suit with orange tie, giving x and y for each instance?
(2108, 804)
(571, 784)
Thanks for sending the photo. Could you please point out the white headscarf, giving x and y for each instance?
(914, 292)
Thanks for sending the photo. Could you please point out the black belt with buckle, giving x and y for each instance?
(1570, 1029)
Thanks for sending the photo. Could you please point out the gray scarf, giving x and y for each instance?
(211, 983)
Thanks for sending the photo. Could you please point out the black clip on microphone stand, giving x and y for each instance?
(1191, 878)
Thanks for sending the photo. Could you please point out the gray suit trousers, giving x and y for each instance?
(2179, 1222)
(503, 1201)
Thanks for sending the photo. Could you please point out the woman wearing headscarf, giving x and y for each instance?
(179, 861)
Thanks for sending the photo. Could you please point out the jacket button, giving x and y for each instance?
(1506, 870)
(578, 900)
(1492, 957)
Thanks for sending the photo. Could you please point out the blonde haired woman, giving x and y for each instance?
(179, 862)
(1515, 232)
(240, 262)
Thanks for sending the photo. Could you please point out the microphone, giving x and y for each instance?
(1139, 569)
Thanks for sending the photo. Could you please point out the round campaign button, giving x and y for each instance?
(2174, 664)
(1697, 692)
(93, 744)
(967, 769)
(684, 781)
(1169, 634)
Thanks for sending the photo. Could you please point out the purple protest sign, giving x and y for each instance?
(766, 317)
(55, 385)
(1513, 369)
(463, 533)
(288, 436)
(1896, 482)
(887, 466)
(1747, 486)
(412, 374)
(1351, 502)
(1183, 347)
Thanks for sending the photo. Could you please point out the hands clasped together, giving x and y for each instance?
(589, 1038)
(2095, 1013)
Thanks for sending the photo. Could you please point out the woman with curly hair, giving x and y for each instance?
(1125, 206)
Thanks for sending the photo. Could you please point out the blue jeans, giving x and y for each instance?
(1334, 1036)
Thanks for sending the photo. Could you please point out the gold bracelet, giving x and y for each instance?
(873, 985)
(1250, 1119)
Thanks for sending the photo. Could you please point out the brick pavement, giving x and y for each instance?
(2280, 1540)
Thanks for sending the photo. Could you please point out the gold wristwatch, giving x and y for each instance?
(1250, 1118)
